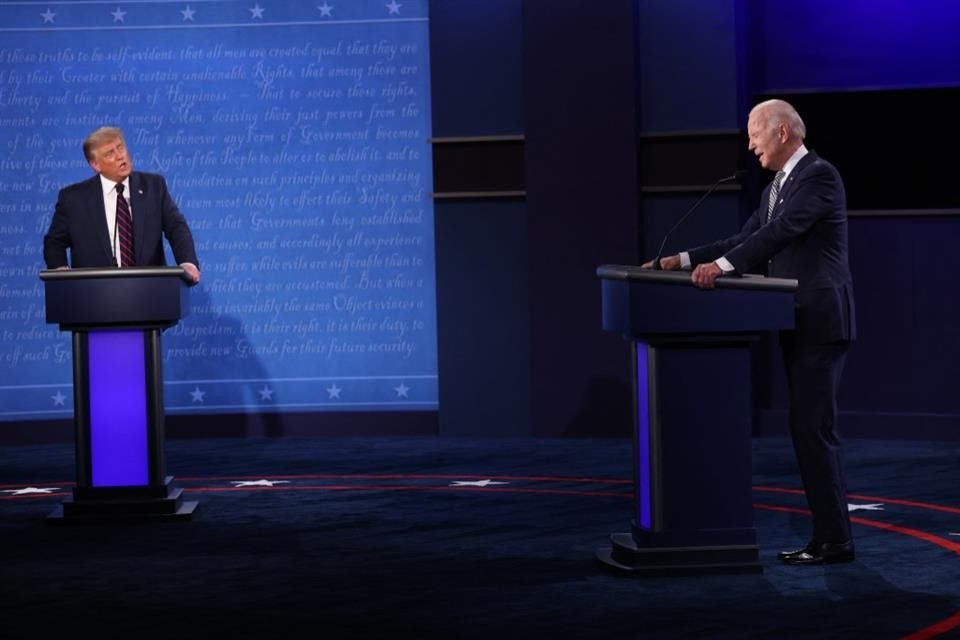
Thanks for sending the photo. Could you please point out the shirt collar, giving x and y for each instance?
(109, 185)
(794, 160)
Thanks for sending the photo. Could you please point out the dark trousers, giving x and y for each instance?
(813, 376)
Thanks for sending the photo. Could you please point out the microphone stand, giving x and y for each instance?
(731, 178)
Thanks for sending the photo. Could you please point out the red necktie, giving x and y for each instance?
(124, 229)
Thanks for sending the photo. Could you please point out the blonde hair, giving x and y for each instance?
(100, 137)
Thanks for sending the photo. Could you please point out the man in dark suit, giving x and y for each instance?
(89, 216)
(800, 232)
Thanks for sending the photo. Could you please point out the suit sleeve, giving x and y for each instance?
(57, 239)
(176, 229)
(811, 199)
(714, 250)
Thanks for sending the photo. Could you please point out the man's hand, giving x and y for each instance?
(670, 263)
(705, 275)
(191, 271)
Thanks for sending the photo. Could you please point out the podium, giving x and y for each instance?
(116, 317)
(693, 410)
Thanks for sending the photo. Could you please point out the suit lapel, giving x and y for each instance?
(98, 214)
(138, 202)
(791, 180)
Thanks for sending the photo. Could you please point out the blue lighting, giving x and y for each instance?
(824, 44)
(118, 408)
(643, 436)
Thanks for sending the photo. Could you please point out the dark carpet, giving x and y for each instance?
(381, 538)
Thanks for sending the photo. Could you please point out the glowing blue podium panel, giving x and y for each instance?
(693, 407)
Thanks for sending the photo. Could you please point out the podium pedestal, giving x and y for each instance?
(116, 317)
(693, 408)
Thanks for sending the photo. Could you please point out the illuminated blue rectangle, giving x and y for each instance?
(118, 408)
(643, 436)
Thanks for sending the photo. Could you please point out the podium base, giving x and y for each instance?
(624, 557)
(183, 513)
(126, 504)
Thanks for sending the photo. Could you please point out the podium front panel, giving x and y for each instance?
(117, 404)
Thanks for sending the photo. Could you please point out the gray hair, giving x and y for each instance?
(781, 112)
(99, 137)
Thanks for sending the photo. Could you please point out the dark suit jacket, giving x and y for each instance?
(80, 224)
(805, 240)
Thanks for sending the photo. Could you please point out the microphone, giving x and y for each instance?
(113, 240)
(735, 177)
(113, 243)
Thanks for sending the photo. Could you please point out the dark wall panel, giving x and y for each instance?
(475, 59)
(819, 44)
(481, 244)
(688, 64)
(890, 146)
(582, 202)
(484, 324)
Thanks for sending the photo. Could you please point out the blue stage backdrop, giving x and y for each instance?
(293, 135)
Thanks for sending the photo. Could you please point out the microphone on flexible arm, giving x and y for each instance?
(735, 177)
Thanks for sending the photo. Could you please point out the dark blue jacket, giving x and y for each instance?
(80, 224)
(805, 240)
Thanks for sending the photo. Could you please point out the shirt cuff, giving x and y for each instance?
(724, 265)
(685, 260)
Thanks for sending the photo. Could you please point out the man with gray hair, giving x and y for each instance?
(799, 231)
(119, 217)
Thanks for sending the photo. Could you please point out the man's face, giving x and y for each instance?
(767, 142)
(111, 160)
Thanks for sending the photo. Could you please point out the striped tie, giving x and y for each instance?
(774, 192)
(124, 229)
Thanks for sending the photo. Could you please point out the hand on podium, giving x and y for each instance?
(705, 275)
(191, 272)
(670, 263)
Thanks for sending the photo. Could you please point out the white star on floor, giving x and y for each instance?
(402, 390)
(475, 483)
(955, 534)
(865, 507)
(187, 13)
(118, 15)
(257, 483)
(394, 7)
(29, 490)
(58, 399)
(325, 9)
(334, 391)
(47, 16)
(266, 393)
(256, 11)
(197, 395)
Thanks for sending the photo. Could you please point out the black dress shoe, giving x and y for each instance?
(826, 553)
(810, 548)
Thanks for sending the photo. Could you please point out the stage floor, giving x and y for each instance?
(463, 538)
